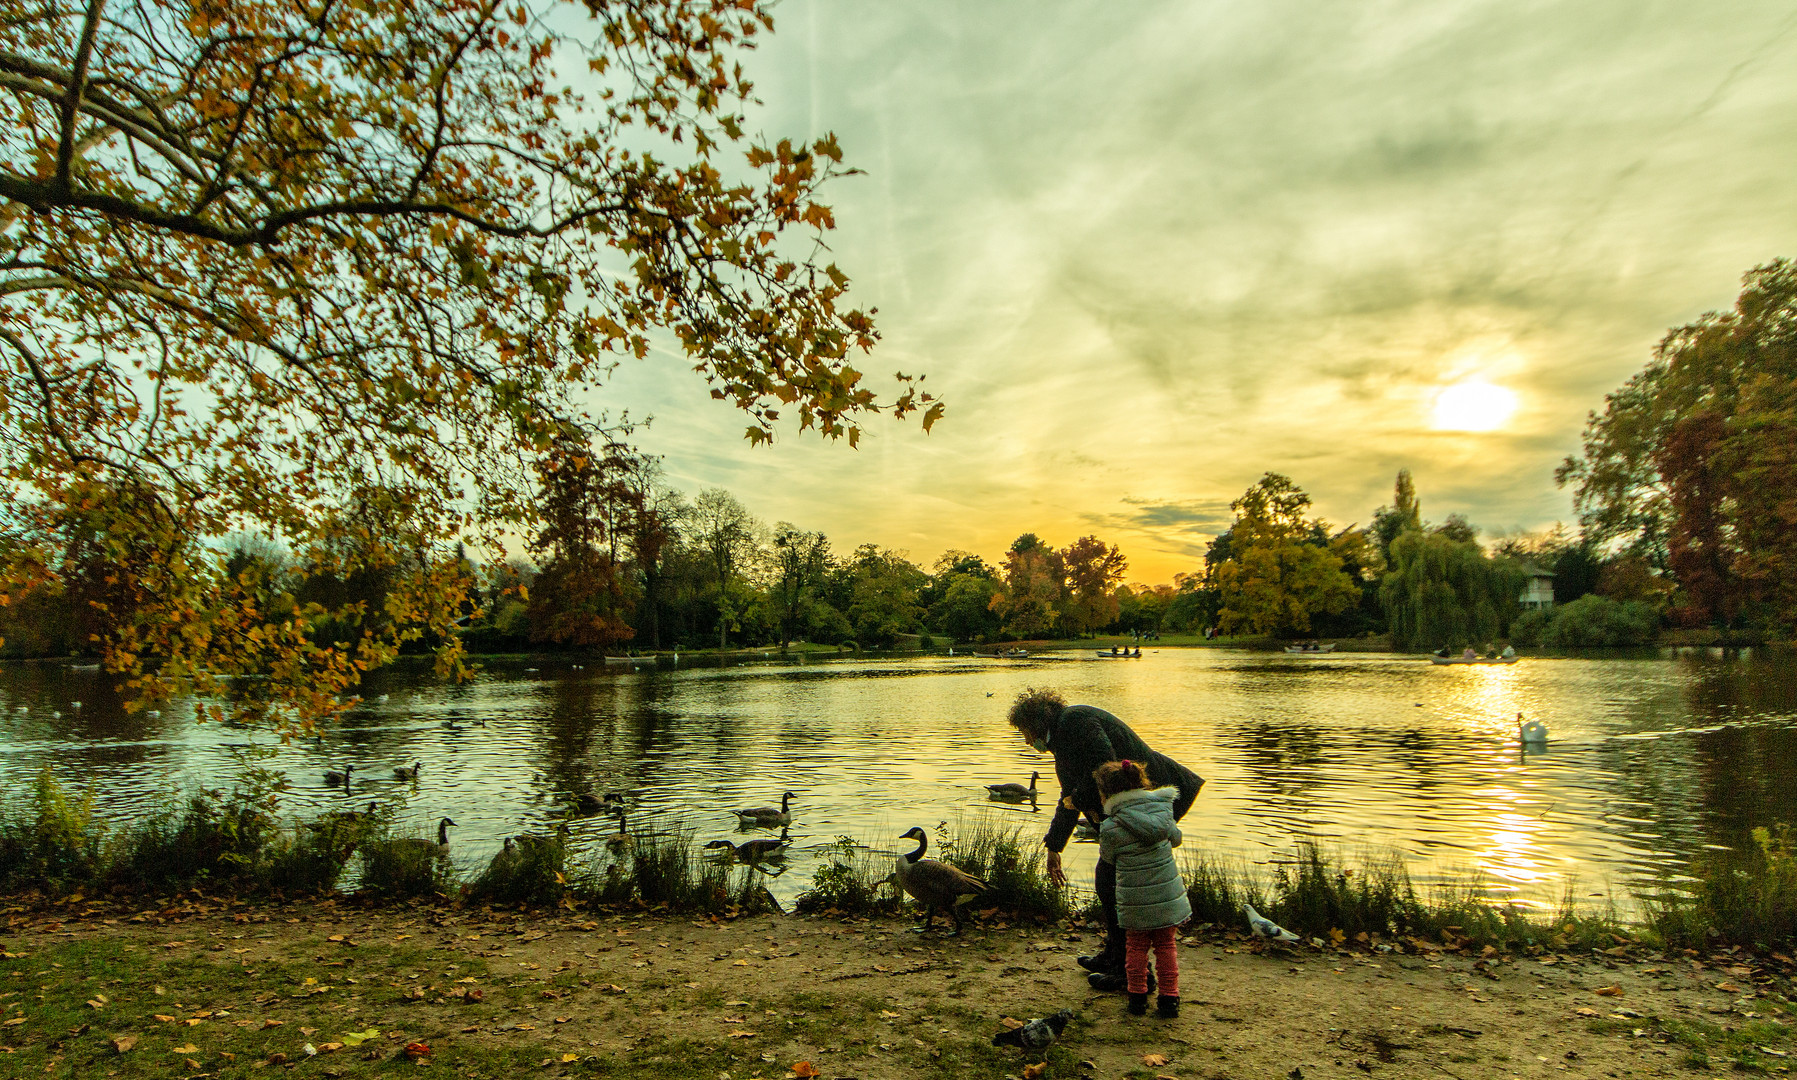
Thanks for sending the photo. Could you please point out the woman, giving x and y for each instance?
(1082, 738)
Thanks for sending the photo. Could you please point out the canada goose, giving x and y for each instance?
(1532, 732)
(588, 803)
(403, 773)
(754, 850)
(621, 839)
(1014, 790)
(333, 778)
(767, 815)
(424, 848)
(536, 840)
(934, 884)
(505, 860)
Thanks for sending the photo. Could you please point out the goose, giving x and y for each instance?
(403, 773)
(767, 815)
(537, 840)
(934, 884)
(1532, 732)
(505, 860)
(754, 850)
(1014, 790)
(588, 803)
(333, 778)
(424, 848)
(621, 839)
(451, 725)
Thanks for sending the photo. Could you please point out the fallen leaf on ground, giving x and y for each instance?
(1035, 1072)
(804, 1070)
(163, 1019)
(1153, 1059)
(1608, 991)
(416, 1050)
(357, 1038)
(1728, 987)
(277, 1058)
(330, 1047)
(123, 1043)
(570, 1057)
(1586, 1012)
(188, 1049)
(266, 1024)
(742, 1034)
(888, 1013)
(14, 1022)
(1010, 1023)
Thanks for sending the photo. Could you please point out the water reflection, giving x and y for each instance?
(1648, 759)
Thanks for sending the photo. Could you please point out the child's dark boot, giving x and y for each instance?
(1138, 1004)
(1166, 1006)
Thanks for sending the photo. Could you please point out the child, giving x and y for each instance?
(1138, 837)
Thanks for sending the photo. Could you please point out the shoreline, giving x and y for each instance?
(223, 988)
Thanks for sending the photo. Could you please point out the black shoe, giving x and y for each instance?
(1138, 1004)
(1114, 982)
(1100, 961)
(1167, 1008)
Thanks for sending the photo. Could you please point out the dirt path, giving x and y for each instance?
(572, 993)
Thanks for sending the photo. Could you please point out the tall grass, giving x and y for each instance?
(1745, 897)
(1316, 893)
(853, 882)
(1013, 865)
(663, 867)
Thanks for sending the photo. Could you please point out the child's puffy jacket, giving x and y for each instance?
(1138, 836)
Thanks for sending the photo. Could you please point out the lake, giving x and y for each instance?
(1649, 761)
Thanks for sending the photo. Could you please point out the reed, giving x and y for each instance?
(1744, 897)
(1317, 893)
(52, 842)
(1014, 866)
(662, 867)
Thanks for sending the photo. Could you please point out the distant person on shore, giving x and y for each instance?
(1081, 738)
(1138, 837)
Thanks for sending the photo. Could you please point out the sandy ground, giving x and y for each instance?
(871, 1000)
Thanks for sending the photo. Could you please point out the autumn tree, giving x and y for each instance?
(1279, 571)
(258, 258)
(585, 502)
(1443, 590)
(1034, 579)
(1090, 573)
(1693, 464)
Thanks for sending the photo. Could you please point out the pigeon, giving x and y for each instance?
(1036, 1034)
(1265, 927)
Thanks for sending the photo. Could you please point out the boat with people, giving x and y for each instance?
(1310, 648)
(1471, 656)
(1114, 653)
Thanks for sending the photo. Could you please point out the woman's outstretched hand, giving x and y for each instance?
(1055, 873)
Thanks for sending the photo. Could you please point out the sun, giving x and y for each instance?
(1474, 405)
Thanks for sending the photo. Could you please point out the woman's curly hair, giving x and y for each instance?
(1035, 711)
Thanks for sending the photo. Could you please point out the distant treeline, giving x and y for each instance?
(1686, 491)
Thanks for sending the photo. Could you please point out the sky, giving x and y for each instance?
(1149, 251)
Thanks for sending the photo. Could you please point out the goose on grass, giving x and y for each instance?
(934, 884)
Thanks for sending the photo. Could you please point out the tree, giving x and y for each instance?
(1277, 576)
(965, 610)
(800, 561)
(1405, 512)
(579, 595)
(1442, 590)
(1034, 580)
(727, 535)
(1693, 464)
(883, 587)
(260, 257)
(1090, 571)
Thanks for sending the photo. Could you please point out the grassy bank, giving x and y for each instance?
(234, 843)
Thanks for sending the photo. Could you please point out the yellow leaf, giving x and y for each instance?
(188, 1049)
(1153, 1059)
(570, 1057)
(1035, 1072)
(1608, 991)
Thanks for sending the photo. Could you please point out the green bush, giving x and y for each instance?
(1598, 622)
(53, 843)
(1529, 627)
(404, 869)
(532, 872)
(209, 837)
(853, 882)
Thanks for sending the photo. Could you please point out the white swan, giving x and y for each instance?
(1532, 732)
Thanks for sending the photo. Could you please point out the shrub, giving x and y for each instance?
(52, 844)
(853, 882)
(532, 872)
(1746, 897)
(1597, 622)
(406, 868)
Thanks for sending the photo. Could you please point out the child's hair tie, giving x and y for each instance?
(1128, 763)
